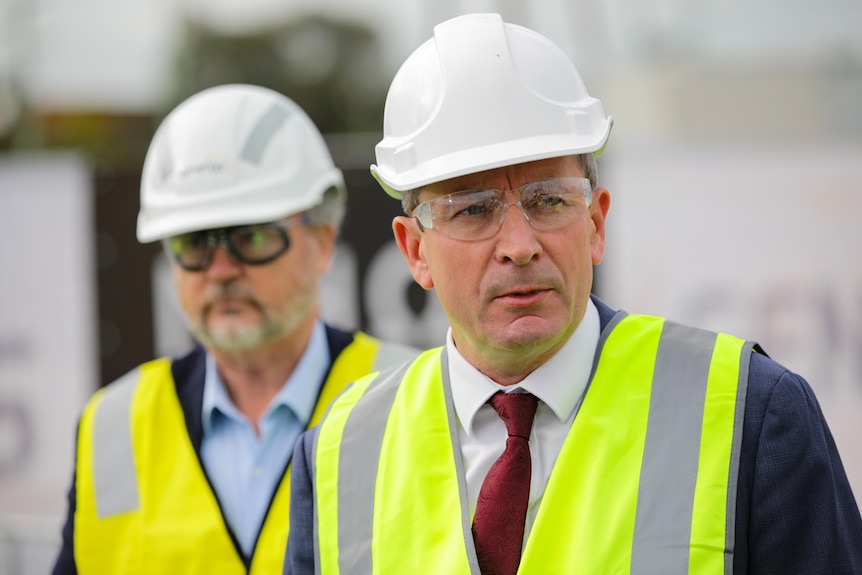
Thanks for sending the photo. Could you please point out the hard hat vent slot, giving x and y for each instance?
(261, 134)
(404, 158)
(579, 122)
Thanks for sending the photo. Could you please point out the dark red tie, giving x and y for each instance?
(501, 511)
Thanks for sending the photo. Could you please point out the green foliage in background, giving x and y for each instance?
(329, 67)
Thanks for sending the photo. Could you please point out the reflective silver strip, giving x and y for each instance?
(735, 450)
(669, 471)
(114, 479)
(359, 455)
(361, 444)
(312, 465)
(391, 354)
(603, 338)
(260, 136)
(472, 558)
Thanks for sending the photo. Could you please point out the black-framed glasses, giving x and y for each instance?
(254, 244)
(479, 214)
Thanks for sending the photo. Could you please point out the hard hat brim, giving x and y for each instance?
(169, 219)
(487, 158)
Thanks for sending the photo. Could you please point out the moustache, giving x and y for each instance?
(228, 291)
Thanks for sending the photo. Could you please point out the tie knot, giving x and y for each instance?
(516, 410)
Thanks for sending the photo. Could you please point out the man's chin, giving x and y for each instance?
(233, 338)
(529, 332)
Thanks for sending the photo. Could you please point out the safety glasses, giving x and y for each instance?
(479, 214)
(253, 244)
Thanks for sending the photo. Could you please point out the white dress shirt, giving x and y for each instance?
(559, 384)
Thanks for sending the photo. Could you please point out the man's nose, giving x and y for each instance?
(516, 238)
(223, 265)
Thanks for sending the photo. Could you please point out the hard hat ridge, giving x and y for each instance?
(482, 94)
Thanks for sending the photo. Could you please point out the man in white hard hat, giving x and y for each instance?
(550, 434)
(182, 464)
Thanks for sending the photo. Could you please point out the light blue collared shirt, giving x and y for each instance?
(245, 469)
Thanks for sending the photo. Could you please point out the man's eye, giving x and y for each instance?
(254, 238)
(188, 241)
(546, 201)
(475, 210)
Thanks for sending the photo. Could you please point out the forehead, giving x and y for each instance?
(509, 177)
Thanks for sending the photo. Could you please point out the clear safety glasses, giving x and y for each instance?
(254, 244)
(479, 214)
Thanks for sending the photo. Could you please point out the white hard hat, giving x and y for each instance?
(232, 155)
(482, 94)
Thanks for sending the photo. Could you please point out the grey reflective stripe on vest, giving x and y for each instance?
(360, 451)
(359, 454)
(603, 338)
(114, 479)
(467, 528)
(664, 516)
(391, 354)
(681, 374)
(733, 482)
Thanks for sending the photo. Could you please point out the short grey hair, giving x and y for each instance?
(331, 209)
(587, 162)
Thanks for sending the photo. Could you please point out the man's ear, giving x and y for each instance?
(598, 213)
(408, 236)
(324, 235)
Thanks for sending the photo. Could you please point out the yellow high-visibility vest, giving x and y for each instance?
(645, 481)
(144, 505)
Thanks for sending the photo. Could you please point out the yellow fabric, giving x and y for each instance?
(327, 454)
(178, 527)
(592, 492)
(355, 361)
(710, 499)
(586, 518)
(178, 512)
(395, 548)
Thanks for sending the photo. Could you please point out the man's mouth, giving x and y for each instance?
(524, 297)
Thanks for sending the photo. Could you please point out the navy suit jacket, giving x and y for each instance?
(795, 512)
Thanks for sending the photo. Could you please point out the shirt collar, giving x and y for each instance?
(297, 394)
(559, 382)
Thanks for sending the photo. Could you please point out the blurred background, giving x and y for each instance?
(735, 167)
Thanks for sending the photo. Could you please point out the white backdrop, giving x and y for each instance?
(48, 352)
(760, 242)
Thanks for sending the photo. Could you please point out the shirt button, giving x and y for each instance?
(257, 472)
